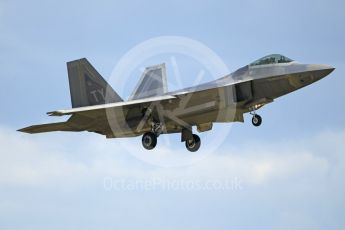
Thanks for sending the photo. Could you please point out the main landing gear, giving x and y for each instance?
(193, 144)
(192, 141)
(149, 140)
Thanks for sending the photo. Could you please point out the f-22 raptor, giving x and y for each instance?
(151, 110)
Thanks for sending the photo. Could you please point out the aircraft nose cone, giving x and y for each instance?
(321, 71)
(326, 68)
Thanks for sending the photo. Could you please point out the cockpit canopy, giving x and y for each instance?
(271, 59)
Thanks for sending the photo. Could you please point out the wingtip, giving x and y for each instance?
(23, 130)
(55, 114)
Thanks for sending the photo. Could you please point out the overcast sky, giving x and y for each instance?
(286, 174)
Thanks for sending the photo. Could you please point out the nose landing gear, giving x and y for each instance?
(256, 119)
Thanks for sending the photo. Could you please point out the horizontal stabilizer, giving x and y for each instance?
(60, 126)
(153, 83)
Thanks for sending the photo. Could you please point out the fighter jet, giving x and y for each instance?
(152, 111)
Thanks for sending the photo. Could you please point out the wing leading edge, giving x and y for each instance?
(109, 106)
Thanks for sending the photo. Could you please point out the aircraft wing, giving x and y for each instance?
(177, 111)
(94, 118)
(109, 106)
(148, 103)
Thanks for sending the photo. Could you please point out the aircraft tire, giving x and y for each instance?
(256, 120)
(149, 140)
(194, 144)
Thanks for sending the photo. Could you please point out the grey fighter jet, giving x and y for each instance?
(151, 110)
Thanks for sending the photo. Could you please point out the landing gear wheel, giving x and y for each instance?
(149, 140)
(193, 145)
(256, 120)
